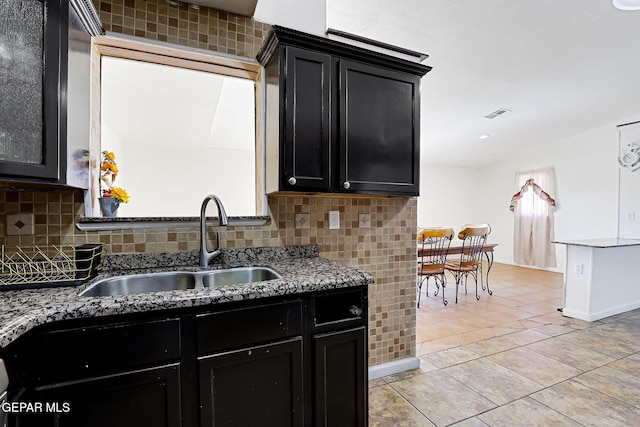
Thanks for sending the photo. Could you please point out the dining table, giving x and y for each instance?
(457, 249)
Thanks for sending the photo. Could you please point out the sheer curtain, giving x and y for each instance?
(533, 206)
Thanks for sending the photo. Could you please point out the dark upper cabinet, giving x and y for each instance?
(44, 115)
(306, 138)
(340, 118)
(379, 145)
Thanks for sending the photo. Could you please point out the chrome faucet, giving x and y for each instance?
(205, 255)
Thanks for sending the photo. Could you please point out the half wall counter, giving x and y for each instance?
(601, 277)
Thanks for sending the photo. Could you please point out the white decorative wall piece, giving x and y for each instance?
(630, 157)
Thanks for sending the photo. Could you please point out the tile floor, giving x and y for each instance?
(511, 359)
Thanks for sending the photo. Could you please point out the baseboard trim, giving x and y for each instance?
(395, 367)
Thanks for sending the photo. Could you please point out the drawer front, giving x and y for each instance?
(252, 325)
(80, 352)
(340, 307)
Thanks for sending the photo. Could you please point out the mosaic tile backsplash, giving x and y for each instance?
(202, 28)
(384, 246)
(376, 235)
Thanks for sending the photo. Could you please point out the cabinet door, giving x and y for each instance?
(259, 385)
(306, 129)
(29, 88)
(149, 397)
(379, 145)
(341, 378)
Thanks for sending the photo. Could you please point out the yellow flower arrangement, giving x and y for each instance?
(108, 173)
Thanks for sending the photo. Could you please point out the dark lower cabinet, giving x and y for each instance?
(149, 397)
(340, 378)
(259, 385)
(286, 361)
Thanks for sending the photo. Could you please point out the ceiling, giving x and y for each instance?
(561, 66)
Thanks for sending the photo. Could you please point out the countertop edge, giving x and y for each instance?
(600, 243)
(21, 311)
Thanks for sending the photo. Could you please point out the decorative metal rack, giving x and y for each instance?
(48, 266)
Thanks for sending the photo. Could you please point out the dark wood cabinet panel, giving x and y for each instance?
(149, 397)
(379, 148)
(259, 385)
(243, 326)
(340, 378)
(90, 351)
(47, 55)
(29, 85)
(265, 362)
(306, 142)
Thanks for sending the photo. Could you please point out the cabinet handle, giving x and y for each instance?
(292, 181)
(355, 310)
(346, 185)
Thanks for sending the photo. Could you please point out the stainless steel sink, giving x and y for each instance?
(177, 280)
(141, 283)
(234, 276)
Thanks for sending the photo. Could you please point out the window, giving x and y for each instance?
(533, 208)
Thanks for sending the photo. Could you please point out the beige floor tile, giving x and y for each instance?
(523, 413)
(541, 369)
(614, 383)
(432, 332)
(492, 345)
(477, 335)
(460, 326)
(439, 344)
(443, 399)
(470, 422)
(587, 406)
(388, 409)
(499, 331)
(629, 364)
(520, 340)
(629, 332)
(553, 330)
(493, 381)
(425, 367)
(450, 357)
(602, 344)
(377, 382)
(527, 337)
(573, 355)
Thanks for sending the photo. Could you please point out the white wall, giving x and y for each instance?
(586, 190)
(445, 194)
(309, 16)
(629, 226)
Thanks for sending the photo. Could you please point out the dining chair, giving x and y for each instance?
(473, 238)
(434, 244)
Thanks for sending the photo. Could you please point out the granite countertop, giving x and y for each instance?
(613, 242)
(301, 268)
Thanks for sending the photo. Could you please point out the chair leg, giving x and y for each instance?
(420, 281)
(458, 276)
(443, 280)
(475, 276)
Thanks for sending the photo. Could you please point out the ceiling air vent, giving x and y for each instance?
(499, 112)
